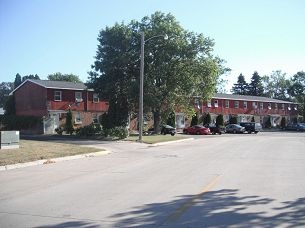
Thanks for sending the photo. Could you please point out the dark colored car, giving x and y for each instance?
(215, 129)
(197, 130)
(234, 128)
(251, 127)
(167, 129)
(295, 127)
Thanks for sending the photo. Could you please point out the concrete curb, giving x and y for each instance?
(52, 160)
(170, 142)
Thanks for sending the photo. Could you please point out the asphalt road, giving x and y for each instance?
(212, 181)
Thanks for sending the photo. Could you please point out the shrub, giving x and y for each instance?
(13, 122)
(194, 120)
(207, 119)
(119, 132)
(171, 120)
(233, 120)
(283, 122)
(69, 125)
(268, 122)
(89, 130)
(59, 130)
(219, 120)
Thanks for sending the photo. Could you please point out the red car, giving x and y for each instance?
(197, 130)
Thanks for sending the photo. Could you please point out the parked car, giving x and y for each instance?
(197, 130)
(295, 127)
(167, 129)
(235, 128)
(215, 129)
(251, 127)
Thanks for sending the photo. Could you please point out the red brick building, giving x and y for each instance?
(52, 99)
(247, 107)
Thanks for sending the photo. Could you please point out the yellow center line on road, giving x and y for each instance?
(192, 201)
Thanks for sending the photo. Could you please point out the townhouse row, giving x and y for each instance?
(51, 100)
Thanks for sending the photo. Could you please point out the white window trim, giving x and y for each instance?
(261, 105)
(78, 96)
(245, 104)
(60, 95)
(236, 104)
(78, 120)
(95, 98)
(227, 104)
(209, 104)
(216, 103)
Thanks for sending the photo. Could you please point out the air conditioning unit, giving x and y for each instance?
(78, 100)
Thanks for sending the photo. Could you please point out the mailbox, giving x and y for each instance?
(9, 139)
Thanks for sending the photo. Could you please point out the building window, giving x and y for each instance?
(216, 103)
(245, 104)
(78, 97)
(296, 107)
(269, 106)
(78, 118)
(236, 104)
(57, 95)
(227, 103)
(94, 118)
(95, 98)
(261, 105)
(283, 106)
(254, 105)
(275, 106)
(289, 108)
(209, 104)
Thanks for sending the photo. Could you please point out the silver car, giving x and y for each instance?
(234, 128)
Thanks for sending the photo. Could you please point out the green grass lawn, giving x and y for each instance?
(151, 139)
(30, 150)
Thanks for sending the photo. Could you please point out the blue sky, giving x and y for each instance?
(47, 36)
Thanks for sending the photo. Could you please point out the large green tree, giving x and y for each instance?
(297, 90)
(30, 76)
(115, 73)
(276, 85)
(63, 77)
(5, 89)
(256, 86)
(176, 69)
(18, 80)
(241, 87)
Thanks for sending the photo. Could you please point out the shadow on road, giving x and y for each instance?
(215, 209)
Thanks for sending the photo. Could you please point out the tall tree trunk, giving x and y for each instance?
(157, 119)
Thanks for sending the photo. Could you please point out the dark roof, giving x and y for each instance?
(59, 84)
(54, 85)
(248, 98)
